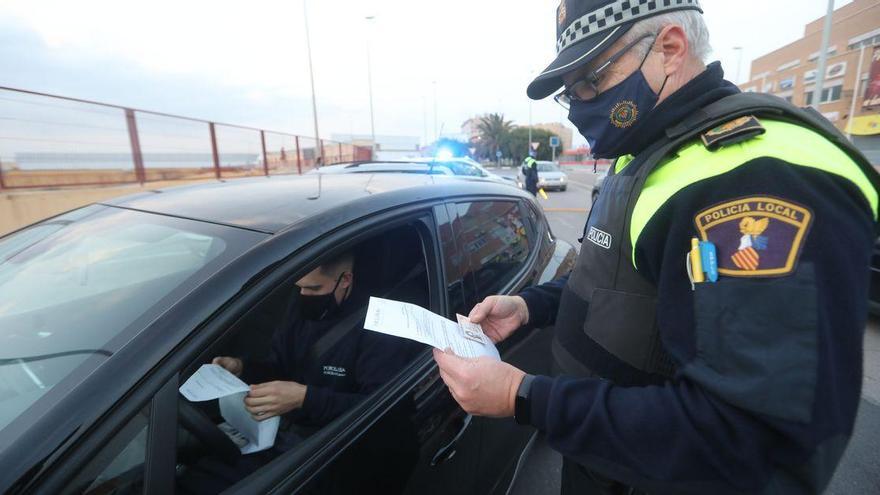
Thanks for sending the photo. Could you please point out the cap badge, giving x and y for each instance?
(563, 12)
(624, 114)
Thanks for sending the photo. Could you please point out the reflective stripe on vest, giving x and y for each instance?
(792, 143)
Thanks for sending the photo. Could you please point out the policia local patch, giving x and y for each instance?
(755, 236)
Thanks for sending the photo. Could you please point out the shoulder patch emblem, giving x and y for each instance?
(735, 131)
(756, 236)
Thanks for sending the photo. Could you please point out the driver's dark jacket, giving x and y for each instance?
(358, 364)
(678, 437)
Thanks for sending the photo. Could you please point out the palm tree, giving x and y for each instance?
(494, 131)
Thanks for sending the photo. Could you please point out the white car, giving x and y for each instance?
(550, 177)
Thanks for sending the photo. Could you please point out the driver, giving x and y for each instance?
(321, 363)
(308, 389)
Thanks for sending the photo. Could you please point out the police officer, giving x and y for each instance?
(530, 172)
(710, 335)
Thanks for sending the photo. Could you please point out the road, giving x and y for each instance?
(859, 471)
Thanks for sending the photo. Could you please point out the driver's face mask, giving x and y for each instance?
(316, 308)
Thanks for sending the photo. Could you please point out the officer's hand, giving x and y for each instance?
(500, 316)
(267, 400)
(231, 364)
(483, 386)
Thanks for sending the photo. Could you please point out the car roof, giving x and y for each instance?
(272, 204)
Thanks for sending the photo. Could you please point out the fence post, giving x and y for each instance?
(340, 153)
(135, 140)
(2, 184)
(265, 156)
(321, 144)
(214, 150)
(299, 168)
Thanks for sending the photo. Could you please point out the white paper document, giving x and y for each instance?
(214, 382)
(466, 339)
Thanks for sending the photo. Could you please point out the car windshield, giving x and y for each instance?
(547, 167)
(72, 284)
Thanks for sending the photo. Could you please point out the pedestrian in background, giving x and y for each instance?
(530, 172)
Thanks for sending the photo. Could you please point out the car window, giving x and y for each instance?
(495, 239)
(71, 286)
(319, 354)
(118, 466)
(547, 167)
(456, 264)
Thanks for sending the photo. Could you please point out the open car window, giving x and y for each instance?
(278, 343)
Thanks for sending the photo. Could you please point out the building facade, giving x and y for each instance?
(386, 147)
(563, 131)
(790, 72)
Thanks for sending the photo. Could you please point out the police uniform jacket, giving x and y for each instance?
(766, 362)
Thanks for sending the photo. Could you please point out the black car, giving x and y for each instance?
(105, 311)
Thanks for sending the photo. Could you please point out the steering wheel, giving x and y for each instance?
(200, 425)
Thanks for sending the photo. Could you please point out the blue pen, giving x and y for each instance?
(709, 256)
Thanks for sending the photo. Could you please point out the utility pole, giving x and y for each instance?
(823, 57)
(312, 80)
(370, 86)
(856, 89)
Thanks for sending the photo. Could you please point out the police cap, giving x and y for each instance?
(586, 28)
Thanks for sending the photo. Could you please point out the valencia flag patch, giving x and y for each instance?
(756, 236)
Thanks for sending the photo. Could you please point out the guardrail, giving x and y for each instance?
(49, 141)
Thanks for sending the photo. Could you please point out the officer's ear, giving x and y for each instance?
(672, 43)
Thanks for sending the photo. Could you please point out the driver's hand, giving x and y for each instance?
(267, 400)
(231, 364)
(500, 316)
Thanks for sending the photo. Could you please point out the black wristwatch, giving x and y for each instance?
(522, 409)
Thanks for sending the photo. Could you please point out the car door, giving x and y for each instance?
(138, 440)
(499, 252)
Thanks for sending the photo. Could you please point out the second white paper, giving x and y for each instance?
(413, 322)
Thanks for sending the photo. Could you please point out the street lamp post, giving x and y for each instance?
(436, 136)
(852, 108)
(370, 86)
(530, 129)
(823, 56)
(312, 80)
(739, 64)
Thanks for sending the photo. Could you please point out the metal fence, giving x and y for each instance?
(53, 141)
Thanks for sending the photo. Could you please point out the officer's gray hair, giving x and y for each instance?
(690, 20)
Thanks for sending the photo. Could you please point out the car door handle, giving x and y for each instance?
(447, 451)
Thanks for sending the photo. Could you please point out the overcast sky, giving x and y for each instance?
(246, 62)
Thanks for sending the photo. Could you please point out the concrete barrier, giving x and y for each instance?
(20, 208)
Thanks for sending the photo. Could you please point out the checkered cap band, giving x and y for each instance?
(615, 14)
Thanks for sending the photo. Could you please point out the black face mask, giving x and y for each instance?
(316, 308)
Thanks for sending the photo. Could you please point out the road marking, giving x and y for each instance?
(582, 184)
(565, 210)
